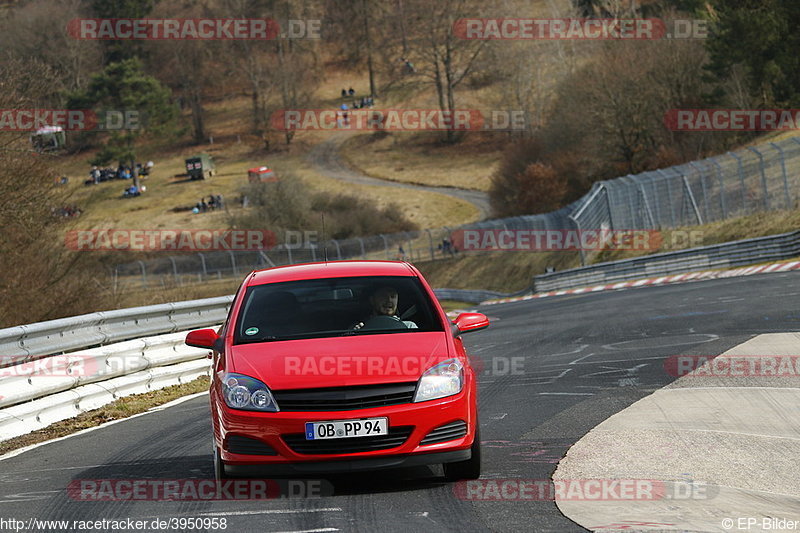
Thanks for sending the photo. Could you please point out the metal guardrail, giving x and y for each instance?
(732, 254)
(29, 381)
(24, 343)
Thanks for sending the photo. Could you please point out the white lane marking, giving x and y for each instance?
(576, 361)
(269, 511)
(498, 417)
(612, 361)
(632, 371)
(309, 530)
(576, 350)
(566, 394)
(28, 496)
(177, 401)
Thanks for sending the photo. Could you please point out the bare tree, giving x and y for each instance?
(29, 31)
(40, 278)
(447, 59)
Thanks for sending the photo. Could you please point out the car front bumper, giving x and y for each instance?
(269, 428)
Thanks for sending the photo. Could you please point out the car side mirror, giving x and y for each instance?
(468, 322)
(204, 338)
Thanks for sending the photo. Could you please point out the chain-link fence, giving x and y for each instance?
(761, 178)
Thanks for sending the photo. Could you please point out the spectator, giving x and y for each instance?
(447, 247)
(344, 93)
(351, 92)
(220, 205)
(212, 204)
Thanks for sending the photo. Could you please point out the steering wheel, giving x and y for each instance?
(383, 322)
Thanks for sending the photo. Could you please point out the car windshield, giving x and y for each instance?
(335, 307)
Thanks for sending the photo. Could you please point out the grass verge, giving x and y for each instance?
(122, 408)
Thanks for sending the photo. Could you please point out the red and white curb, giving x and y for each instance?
(694, 276)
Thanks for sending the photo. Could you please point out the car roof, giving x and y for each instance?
(331, 269)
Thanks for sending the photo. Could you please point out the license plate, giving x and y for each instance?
(341, 429)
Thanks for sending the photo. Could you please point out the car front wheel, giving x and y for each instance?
(469, 469)
(219, 466)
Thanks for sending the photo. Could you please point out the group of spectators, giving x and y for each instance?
(363, 103)
(214, 202)
(343, 114)
(122, 172)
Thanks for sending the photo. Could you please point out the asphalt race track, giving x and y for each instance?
(553, 369)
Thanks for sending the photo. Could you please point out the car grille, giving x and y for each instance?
(396, 437)
(451, 431)
(248, 446)
(345, 398)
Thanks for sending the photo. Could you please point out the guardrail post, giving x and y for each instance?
(763, 175)
(668, 181)
(144, 273)
(233, 263)
(580, 248)
(647, 206)
(703, 187)
(785, 178)
(691, 198)
(266, 258)
(722, 200)
(430, 238)
(385, 245)
(338, 249)
(741, 179)
(174, 270)
(363, 251)
(203, 262)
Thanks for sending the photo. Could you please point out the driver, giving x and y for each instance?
(384, 304)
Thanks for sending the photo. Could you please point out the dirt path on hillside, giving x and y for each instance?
(327, 160)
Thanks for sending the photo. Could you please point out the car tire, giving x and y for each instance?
(469, 469)
(219, 466)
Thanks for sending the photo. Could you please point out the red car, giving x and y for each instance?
(338, 367)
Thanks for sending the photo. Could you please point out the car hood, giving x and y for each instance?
(340, 361)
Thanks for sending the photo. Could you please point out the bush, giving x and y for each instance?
(287, 205)
(524, 184)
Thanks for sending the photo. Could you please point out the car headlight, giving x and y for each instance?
(246, 393)
(444, 379)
